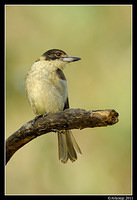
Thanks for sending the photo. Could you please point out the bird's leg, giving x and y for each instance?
(38, 116)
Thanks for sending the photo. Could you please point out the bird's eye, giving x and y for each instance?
(58, 54)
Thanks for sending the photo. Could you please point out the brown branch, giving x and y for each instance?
(68, 119)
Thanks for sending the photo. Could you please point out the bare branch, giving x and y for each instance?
(65, 120)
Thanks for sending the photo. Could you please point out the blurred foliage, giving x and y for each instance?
(101, 36)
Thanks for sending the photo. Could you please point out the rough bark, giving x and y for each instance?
(55, 122)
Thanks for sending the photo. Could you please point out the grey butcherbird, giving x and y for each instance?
(46, 89)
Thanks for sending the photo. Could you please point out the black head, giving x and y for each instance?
(57, 54)
(54, 54)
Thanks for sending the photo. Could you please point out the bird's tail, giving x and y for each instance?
(67, 146)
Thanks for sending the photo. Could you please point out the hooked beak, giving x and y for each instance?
(71, 59)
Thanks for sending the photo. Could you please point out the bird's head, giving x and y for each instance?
(58, 58)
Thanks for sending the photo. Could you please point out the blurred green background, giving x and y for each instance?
(101, 36)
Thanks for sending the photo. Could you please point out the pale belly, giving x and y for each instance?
(48, 99)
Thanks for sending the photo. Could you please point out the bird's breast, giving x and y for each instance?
(45, 90)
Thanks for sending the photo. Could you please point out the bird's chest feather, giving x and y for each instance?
(47, 91)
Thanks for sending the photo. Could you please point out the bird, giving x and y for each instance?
(47, 92)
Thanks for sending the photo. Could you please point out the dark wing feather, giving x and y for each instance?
(66, 106)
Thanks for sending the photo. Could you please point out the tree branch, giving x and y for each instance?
(65, 120)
